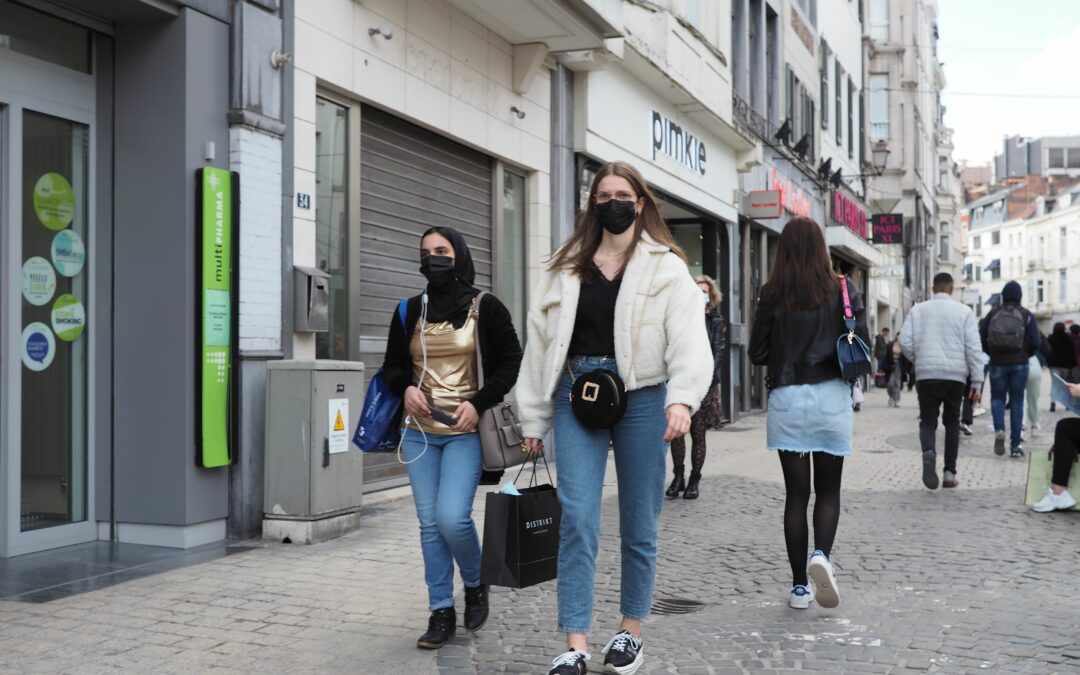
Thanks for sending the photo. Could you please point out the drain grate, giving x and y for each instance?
(669, 606)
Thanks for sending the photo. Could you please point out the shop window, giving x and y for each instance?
(41, 36)
(511, 269)
(332, 222)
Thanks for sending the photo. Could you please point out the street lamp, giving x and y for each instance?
(880, 156)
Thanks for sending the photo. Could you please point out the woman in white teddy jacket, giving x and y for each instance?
(617, 296)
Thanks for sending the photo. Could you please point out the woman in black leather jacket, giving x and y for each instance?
(711, 413)
(799, 318)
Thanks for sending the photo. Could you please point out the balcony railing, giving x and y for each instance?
(751, 119)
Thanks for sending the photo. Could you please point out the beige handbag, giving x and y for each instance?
(501, 441)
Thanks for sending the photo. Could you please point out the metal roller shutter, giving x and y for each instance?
(412, 179)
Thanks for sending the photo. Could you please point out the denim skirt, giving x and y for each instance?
(811, 418)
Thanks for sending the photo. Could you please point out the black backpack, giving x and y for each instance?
(1007, 331)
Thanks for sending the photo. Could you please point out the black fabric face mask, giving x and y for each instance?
(615, 216)
(439, 269)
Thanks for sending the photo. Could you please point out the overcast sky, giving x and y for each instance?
(1027, 49)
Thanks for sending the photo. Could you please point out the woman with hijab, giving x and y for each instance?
(431, 363)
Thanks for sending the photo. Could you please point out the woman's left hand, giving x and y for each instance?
(467, 418)
(678, 422)
(1074, 389)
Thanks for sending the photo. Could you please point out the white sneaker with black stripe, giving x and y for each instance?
(623, 654)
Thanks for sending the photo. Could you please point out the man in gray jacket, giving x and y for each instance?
(941, 337)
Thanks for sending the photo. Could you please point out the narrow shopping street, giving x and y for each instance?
(967, 580)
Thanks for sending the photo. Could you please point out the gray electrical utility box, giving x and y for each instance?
(314, 474)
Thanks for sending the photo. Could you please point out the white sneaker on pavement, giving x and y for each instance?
(1053, 502)
(820, 571)
(801, 597)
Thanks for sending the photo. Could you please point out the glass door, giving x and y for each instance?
(46, 208)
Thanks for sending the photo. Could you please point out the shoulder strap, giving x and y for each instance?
(403, 310)
(849, 313)
(479, 356)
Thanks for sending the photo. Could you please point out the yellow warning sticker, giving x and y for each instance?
(338, 424)
(337, 434)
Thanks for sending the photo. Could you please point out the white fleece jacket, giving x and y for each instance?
(659, 294)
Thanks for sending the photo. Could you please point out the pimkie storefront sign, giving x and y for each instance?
(847, 212)
(668, 138)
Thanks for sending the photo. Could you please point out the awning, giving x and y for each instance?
(853, 247)
(995, 298)
(994, 265)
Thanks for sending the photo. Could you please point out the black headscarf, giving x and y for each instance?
(450, 301)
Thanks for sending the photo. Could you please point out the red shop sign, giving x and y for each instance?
(849, 214)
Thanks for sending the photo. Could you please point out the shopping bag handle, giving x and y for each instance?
(532, 480)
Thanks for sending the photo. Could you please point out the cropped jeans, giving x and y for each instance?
(444, 479)
(640, 463)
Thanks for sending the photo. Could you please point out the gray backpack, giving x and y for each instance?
(1007, 330)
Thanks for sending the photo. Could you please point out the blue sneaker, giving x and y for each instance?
(820, 571)
(801, 597)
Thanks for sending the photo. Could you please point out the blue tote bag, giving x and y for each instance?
(378, 428)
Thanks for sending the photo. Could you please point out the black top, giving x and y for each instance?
(594, 325)
(1062, 350)
(499, 348)
(799, 346)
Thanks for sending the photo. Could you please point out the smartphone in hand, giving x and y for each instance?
(443, 417)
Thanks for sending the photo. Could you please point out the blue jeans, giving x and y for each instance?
(581, 459)
(1011, 381)
(444, 483)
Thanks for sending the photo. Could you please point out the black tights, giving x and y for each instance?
(827, 471)
(697, 455)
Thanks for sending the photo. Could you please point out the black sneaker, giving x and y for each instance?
(929, 469)
(440, 629)
(1016, 452)
(476, 607)
(571, 663)
(623, 654)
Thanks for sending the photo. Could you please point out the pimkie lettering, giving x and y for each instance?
(677, 143)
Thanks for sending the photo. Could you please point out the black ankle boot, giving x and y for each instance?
(476, 607)
(440, 629)
(692, 486)
(677, 484)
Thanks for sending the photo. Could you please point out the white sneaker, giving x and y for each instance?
(821, 574)
(1053, 502)
(801, 597)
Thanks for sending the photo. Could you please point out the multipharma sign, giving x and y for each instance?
(218, 197)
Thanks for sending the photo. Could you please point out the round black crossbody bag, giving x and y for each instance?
(598, 398)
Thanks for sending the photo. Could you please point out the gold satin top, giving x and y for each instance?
(452, 375)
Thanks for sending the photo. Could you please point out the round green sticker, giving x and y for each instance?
(68, 318)
(54, 201)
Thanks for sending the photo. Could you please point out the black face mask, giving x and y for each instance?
(615, 216)
(439, 269)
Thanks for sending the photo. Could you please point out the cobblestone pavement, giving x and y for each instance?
(965, 580)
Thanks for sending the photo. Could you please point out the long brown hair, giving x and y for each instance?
(578, 251)
(802, 276)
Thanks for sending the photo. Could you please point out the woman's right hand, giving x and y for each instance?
(416, 404)
(534, 446)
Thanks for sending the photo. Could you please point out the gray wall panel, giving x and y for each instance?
(102, 265)
(171, 97)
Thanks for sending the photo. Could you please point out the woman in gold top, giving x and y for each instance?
(431, 362)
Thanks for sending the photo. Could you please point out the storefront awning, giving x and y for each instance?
(994, 265)
(995, 298)
(849, 245)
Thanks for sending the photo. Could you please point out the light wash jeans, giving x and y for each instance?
(1034, 385)
(444, 481)
(1008, 381)
(640, 463)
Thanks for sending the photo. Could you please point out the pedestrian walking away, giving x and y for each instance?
(711, 414)
(1010, 335)
(431, 362)
(881, 346)
(1066, 444)
(1062, 357)
(617, 307)
(895, 364)
(800, 315)
(941, 337)
(1074, 335)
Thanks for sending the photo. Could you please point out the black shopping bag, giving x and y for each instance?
(521, 537)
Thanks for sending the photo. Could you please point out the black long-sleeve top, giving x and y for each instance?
(499, 348)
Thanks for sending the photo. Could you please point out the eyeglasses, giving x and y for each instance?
(621, 196)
